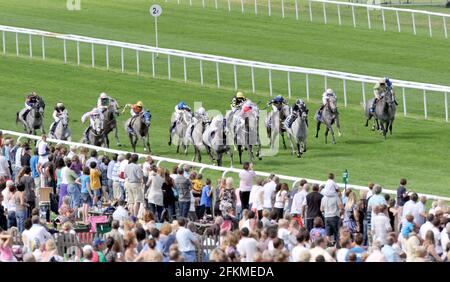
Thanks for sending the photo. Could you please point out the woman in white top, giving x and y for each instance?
(280, 199)
(154, 193)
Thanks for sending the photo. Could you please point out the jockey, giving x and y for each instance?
(325, 97)
(296, 108)
(95, 112)
(380, 88)
(59, 110)
(237, 101)
(104, 101)
(30, 101)
(201, 114)
(136, 110)
(179, 109)
(277, 103)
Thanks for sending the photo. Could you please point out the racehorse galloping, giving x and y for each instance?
(34, 119)
(384, 113)
(62, 130)
(180, 129)
(194, 136)
(298, 132)
(329, 116)
(140, 126)
(96, 134)
(246, 130)
(110, 122)
(214, 140)
(275, 125)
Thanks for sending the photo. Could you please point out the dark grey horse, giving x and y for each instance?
(384, 114)
(246, 130)
(215, 143)
(34, 119)
(298, 132)
(140, 126)
(329, 116)
(96, 134)
(110, 122)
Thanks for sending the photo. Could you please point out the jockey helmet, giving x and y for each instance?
(181, 105)
(382, 80)
(329, 91)
(299, 101)
(388, 81)
(201, 110)
(139, 104)
(278, 99)
(240, 95)
(103, 95)
(60, 105)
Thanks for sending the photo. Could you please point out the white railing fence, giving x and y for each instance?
(218, 61)
(296, 9)
(201, 166)
(439, 19)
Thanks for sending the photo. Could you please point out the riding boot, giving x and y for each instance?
(319, 114)
(372, 108)
(395, 101)
(289, 121)
(170, 132)
(86, 134)
(129, 128)
(24, 115)
(53, 128)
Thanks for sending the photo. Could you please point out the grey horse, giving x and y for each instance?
(275, 125)
(96, 134)
(246, 130)
(194, 136)
(298, 132)
(384, 114)
(110, 122)
(182, 122)
(34, 119)
(214, 140)
(140, 126)
(329, 116)
(62, 130)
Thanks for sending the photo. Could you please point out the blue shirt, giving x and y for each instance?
(389, 253)
(85, 181)
(358, 251)
(33, 163)
(406, 229)
(205, 200)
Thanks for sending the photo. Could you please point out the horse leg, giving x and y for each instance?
(367, 121)
(250, 152)
(116, 135)
(292, 144)
(390, 127)
(299, 149)
(284, 141)
(326, 134)
(332, 134)
(148, 143)
(338, 125)
(318, 129)
(239, 147)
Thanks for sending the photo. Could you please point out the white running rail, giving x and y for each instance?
(202, 166)
(220, 60)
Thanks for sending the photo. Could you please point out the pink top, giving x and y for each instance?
(246, 180)
(6, 254)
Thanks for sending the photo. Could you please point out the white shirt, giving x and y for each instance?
(269, 188)
(185, 239)
(317, 251)
(63, 175)
(412, 208)
(380, 226)
(145, 167)
(4, 166)
(247, 247)
(42, 148)
(341, 254)
(330, 188)
(19, 152)
(38, 233)
(424, 229)
(296, 252)
(298, 202)
(246, 180)
(445, 239)
(123, 165)
(120, 214)
(280, 199)
(192, 206)
(258, 197)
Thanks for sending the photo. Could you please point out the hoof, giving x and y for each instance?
(317, 136)
(259, 158)
(299, 156)
(170, 143)
(119, 145)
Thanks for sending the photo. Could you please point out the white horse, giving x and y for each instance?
(182, 120)
(62, 130)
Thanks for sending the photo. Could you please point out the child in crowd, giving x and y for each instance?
(408, 227)
(86, 193)
(96, 186)
(318, 230)
(197, 186)
(205, 201)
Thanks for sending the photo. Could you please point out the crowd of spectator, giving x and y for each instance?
(159, 214)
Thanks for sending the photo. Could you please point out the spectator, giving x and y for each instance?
(246, 182)
(281, 199)
(187, 242)
(134, 185)
(247, 246)
(414, 208)
(318, 230)
(269, 189)
(350, 212)
(205, 201)
(155, 192)
(183, 185)
(313, 201)
(331, 207)
(299, 203)
(95, 183)
(121, 214)
(357, 249)
(319, 250)
(169, 199)
(227, 197)
(37, 232)
(381, 225)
